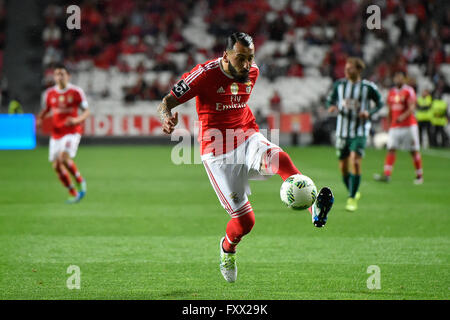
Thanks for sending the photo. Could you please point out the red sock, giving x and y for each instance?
(281, 164)
(417, 159)
(236, 229)
(70, 165)
(389, 163)
(64, 177)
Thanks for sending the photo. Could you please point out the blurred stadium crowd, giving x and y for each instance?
(134, 50)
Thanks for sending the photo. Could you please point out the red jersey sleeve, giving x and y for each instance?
(190, 84)
(81, 99)
(411, 98)
(44, 101)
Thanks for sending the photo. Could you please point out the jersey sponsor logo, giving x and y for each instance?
(351, 104)
(220, 90)
(234, 88)
(180, 88)
(223, 107)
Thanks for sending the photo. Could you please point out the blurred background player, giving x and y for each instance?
(63, 100)
(351, 97)
(403, 129)
(423, 116)
(222, 88)
(439, 121)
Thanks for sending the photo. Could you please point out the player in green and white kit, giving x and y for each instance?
(351, 97)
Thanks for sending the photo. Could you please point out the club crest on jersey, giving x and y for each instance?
(249, 84)
(70, 99)
(399, 98)
(234, 197)
(180, 88)
(234, 88)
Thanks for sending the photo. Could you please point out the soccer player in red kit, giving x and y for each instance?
(233, 150)
(63, 101)
(403, 130)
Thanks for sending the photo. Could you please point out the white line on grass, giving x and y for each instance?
(437, 153)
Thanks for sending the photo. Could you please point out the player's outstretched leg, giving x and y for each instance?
(80, 181)
(237, 227)
(64, 177)
(281, 164)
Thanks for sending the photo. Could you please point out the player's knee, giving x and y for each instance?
(64, 157)
(356, 162)
(357, 166)
(270, 162)
(343, 165)
(55, 165)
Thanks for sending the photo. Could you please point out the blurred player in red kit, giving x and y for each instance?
(403, 129)
(63, 101)
(233, 151)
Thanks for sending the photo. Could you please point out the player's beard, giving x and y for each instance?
(243, 77)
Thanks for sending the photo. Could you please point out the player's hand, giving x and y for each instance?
(332, 109)
(38, 123)
(364, 115)
(170, 123)
(399, 119)
(71, 121)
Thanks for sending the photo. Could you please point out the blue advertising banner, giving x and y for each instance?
(17, 131)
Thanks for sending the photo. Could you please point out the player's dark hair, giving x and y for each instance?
(241, 37)
(60, 66)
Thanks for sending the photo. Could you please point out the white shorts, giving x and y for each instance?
(68, 143)
(229, 173)
(404, 138)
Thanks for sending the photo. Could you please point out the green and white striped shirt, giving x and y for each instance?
(352, 98)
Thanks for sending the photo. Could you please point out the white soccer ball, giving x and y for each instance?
(380, 140)
(298, 192)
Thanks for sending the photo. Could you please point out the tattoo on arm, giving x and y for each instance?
(167, 104)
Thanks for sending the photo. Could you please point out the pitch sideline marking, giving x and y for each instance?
(435, 153)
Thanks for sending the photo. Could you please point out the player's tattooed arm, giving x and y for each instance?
(168, 120)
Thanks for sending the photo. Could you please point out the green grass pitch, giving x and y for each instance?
(149, 229)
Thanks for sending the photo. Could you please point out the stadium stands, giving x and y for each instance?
(133, 51)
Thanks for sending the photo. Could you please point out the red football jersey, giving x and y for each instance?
(397, 101)
(221, 104)
(64, 104)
